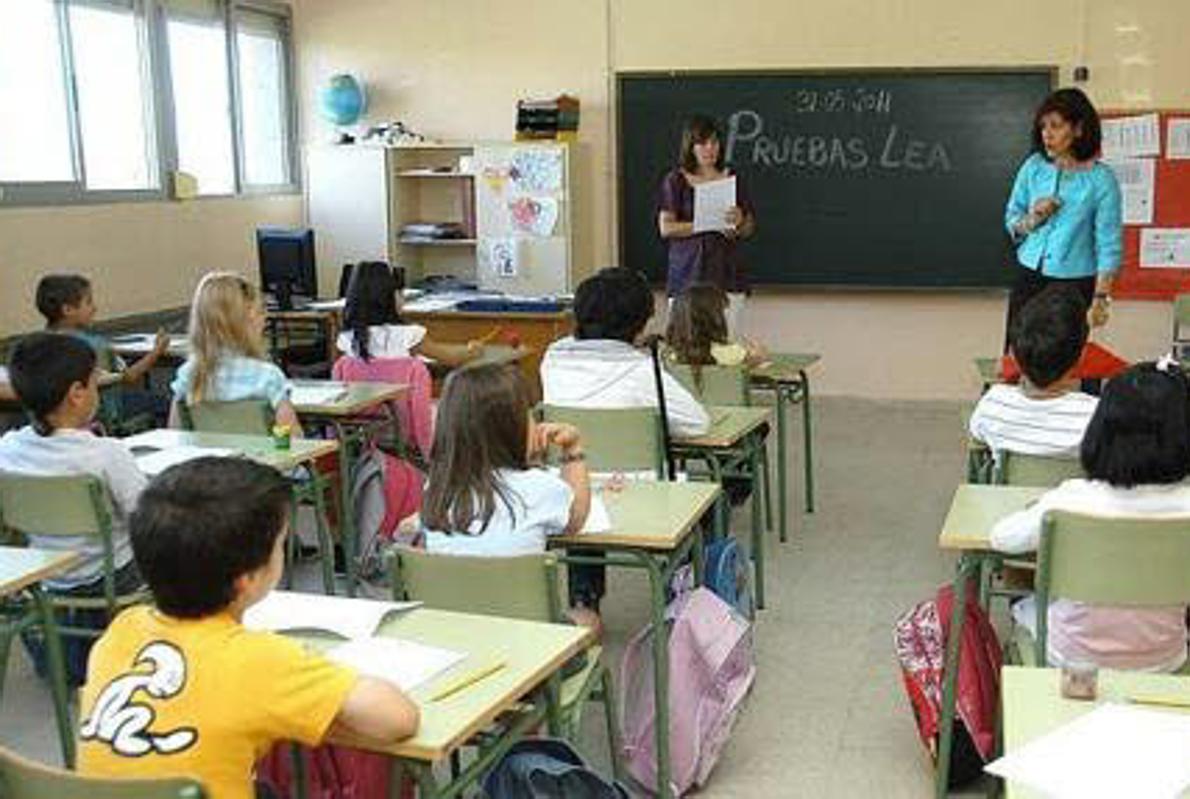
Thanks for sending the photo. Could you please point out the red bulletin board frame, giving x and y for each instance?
(1171, 208)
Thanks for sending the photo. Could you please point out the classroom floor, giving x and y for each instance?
(828, 715)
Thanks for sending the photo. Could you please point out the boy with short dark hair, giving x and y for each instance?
(68, 305)
(57, 383)
(184, 688)
(1045, 414)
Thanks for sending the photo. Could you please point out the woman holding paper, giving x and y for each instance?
(702, 245)
(1064, 211)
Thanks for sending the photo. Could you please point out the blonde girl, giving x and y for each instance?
(228, 359)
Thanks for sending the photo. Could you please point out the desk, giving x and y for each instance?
(355, 415)
(258, 448)
(654, 526)
(22, 569)
(1033, 704)
(785, 375)
(534, 654)
(734, 438)
(137, 345)
(535, 332)
(974, 510)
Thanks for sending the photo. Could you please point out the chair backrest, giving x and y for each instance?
(245, 417)
(1117, 561)
(518, 587)
(616, 439)
(1181, 316)
(63, 505)
(1014, 468)
(714, 385)
(415, 414)
(24, 779)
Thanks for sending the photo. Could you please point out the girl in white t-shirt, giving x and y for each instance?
(484, 495)
(373, 327)
(1136, 453)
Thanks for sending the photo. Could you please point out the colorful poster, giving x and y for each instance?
(536, 170)
(536, 216)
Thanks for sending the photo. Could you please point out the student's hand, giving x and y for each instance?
(160, 344)
(475, 349)
(756, 353)
(734, 217)
(1098, 313)
(565, 437)
(1044, 208)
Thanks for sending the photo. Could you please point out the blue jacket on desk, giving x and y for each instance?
(1084, 237)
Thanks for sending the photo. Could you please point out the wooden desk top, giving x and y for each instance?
(356, 398)
(783, 367)
(21, 567)
(729, 424)
(531, 651)
(258, 448)
(1033, 703)
(975, 509)
(648, 515)
(494, 316)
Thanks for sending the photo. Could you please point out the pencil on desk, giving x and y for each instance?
(467, 680)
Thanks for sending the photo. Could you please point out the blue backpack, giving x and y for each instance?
(729, 574)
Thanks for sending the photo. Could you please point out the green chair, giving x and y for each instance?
(60, 506)
(615, 439)
(520, 587)
(255, 418)
(1181, 318)
(1014, 468)
(24, 779)
(1107, 561)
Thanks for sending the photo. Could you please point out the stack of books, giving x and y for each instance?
(421, 232)
(548, 119)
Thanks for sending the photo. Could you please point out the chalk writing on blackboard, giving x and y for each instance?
(892, 149)
(836, 101)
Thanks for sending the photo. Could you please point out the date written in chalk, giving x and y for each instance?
(837, 101)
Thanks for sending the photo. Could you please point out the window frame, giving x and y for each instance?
(152, 17)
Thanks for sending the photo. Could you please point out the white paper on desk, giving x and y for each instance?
(1138, 179)
(1129, 137)
(293, 610)
(711, 202)
(1165, 247)
(327, 305)
(404, 663)
(598, 519)
(1115, 750)
(306, 394)
(154, 463)
(1177, 139)
(431, 303)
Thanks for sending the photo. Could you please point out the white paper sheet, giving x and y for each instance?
(1113, 751)
(1165, 248)
(1137, 178)
(154, 463)
(431, 303)
(293, 610)
(1129, 137)
(327, 305)
(598, 519)
(1177, 139)
(504, 255)
(404, 663)
(711, 201)
(316, 394)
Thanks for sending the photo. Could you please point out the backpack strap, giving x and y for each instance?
(670, 468)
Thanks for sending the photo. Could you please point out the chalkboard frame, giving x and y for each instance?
(621, 77)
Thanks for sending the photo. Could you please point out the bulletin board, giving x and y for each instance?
(1171, 209)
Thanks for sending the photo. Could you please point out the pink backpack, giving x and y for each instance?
(414, 412)
(711, 668)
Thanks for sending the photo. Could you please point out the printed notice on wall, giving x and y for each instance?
(1165, 248)
(1177, 139)
(1131, 137)
(504, 255)
(1137, 178)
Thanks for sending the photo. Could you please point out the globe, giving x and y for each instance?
(342, 101)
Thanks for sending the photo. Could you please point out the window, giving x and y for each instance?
(35, 141)
(99, 99)
(261, 75)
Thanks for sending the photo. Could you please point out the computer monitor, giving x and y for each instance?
(287, 264)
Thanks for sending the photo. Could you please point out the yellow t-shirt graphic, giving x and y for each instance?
(202, 698)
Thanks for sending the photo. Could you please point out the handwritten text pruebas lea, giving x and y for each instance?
(896, 150)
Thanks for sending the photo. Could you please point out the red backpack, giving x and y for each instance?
(920, 638)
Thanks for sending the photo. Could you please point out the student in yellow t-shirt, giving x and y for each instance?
(183, 688)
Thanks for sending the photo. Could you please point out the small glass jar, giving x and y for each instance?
(1080, 680)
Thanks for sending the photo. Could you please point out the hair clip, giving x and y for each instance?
(1169, 365)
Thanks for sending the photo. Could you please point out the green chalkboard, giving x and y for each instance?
(859, 177)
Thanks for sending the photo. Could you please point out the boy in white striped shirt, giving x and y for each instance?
(1046, 413)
